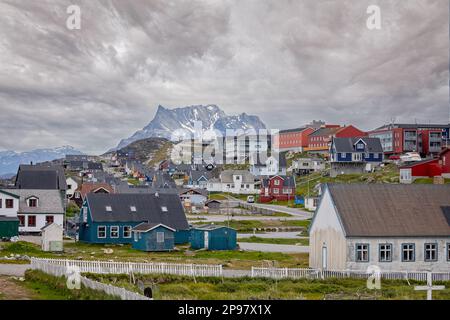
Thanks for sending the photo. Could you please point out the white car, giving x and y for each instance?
(250, 199)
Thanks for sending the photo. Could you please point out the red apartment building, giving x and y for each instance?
(428, 140)
(292, 139)
(319, 141)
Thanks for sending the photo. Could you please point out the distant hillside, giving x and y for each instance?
(151, 150)
(10, 160)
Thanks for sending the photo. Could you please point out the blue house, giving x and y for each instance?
(153, 237)
(354, 155)
(110, 218)
(213, 237)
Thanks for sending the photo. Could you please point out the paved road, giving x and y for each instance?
(298, 213)
(17, 270)
(283, 235)
(266, 247)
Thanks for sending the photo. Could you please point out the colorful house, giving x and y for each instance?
(354, 155)
(279, 188)
(153, 237)
(110, 218)
(292, 139)
(430, 168)
(319, 141)
(213, 237)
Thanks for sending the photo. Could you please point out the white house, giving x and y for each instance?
(271, 167)
(234, 181)
(9, 203)
(72, 185)
(37, 208)
(52, 237)
(396, 227)
(303, 166)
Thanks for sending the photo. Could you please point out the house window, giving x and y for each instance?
(108, 208)
(164, 209)
(49, 219)
(448, 251)
(114, 232)
(133, 209)
(431, 252)
(276, 191)
(32, 221)
(385, 252)
(77, 195)
(127, 231)
(276, 182)
(101, 232)
(408, 252)
(9, 203)
(160, 237)
(136, 236)
(1, 203)
(362, 252)
(21, 221)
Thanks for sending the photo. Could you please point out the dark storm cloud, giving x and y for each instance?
(287, 61)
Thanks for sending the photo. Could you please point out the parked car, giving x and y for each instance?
(250, 199)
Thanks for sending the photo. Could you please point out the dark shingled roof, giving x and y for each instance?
(148, 208)
(348, 144)
(325, 131)
(292, 130)
(41, 177)
(393, 210)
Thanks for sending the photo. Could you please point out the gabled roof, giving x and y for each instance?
(348, 144)
(88, 187)
(325, 131)
(392, 210)
(50, 201)
(149, 208)
(41, 177)
(227, 176)
(292, 130)
(146, 227)
(10, 193)
(209, 227)
(288, 181)
(419, 163)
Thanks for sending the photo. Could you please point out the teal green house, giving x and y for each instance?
(153, 237)
(110, 218)
(213, 237)
(9, 227)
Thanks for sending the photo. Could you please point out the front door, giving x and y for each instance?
(324, 258)
(206, 239)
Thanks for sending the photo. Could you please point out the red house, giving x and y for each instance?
(427, 169)
(277, 188)
(320, 139)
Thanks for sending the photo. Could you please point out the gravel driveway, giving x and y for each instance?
(17, 270)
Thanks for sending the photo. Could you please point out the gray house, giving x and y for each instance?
(396, 227)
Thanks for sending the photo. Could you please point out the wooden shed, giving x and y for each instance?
(213, 237)
(52, 238)
(153, 237)
(9, 227)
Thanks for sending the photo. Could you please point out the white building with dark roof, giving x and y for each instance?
(396, 227)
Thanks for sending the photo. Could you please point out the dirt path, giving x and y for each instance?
(10, 290)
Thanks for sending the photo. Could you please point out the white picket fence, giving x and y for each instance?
(61, 270)
(298, 273)
(113, 267)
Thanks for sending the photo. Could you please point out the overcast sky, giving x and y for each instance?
(286, 61)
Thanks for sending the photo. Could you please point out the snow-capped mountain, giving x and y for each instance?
(166, 121)
(10, 160)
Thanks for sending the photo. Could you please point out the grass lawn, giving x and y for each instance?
(229, 259)
(46, 287)
(249, 225)
(177, 288)
(217, 196)
(254, 239)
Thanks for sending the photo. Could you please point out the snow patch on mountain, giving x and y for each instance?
(166, 121)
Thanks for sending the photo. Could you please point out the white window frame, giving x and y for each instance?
(160, 238)
(276, 182)
(111, 232)
(98, 232)
(124, 232)
(362, 248)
